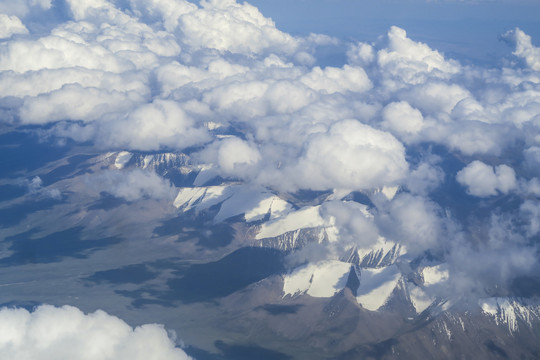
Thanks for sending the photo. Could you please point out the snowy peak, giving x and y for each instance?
(433, 275)
(201, 198)
(323, 279)
(254, 203)
(122, 158)
(373, 288)
(295, 239)
(160, 163)
(382, 253)
(510, 312)
(377, 286)
(307, 217)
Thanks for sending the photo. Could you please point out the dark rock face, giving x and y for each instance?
(352, 282)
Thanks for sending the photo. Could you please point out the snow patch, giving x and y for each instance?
(322, 279)
(419, 299)
(206, 173)
(435, 274)
(509, 311)
(254, 203)
(446, 330)
(307, 217)
(235, 200)
(122, 159)
(376, 286)
(201, 197)
(390, 191)
(272, 205)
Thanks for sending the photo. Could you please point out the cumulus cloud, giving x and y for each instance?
(332, 80)
(253, 98)
(225, 25)
(46, 81)
(67, 333)
(524, 48)
(351, 155)
(401, 61)
(160, 124)
(74, 102)
(435, 97)
(402, 119)
(64, 49)
(484, 180)
(233, 156)
(11, 25)
(167, 11)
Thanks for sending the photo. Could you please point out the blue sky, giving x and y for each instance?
(466, 30)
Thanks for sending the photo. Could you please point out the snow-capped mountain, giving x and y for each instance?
(378, 275)
(294, 267)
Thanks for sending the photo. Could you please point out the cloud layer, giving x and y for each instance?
(175, 75)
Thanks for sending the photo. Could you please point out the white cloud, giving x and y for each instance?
(74, 102)
(225, 25)
(67, 333)
(498, 255)
(474, 137)
(403, 61)
(235, 153)
(354, 224)
(469, 109)
(413, 221)
(413, 55)
(131, 185)
(45, 81)
(233, 157)
(160, 124)
(82, 9)
(333, 79)
(425, 178)
(168, 11)
(483, 180)
(253, 98)
(530, 210)
(402, 119)
(351, 155)
(524, 48)
(34, 185)
(361, 53)
(35, 188)
(11, 25)
(435, 97)
(56, 52)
